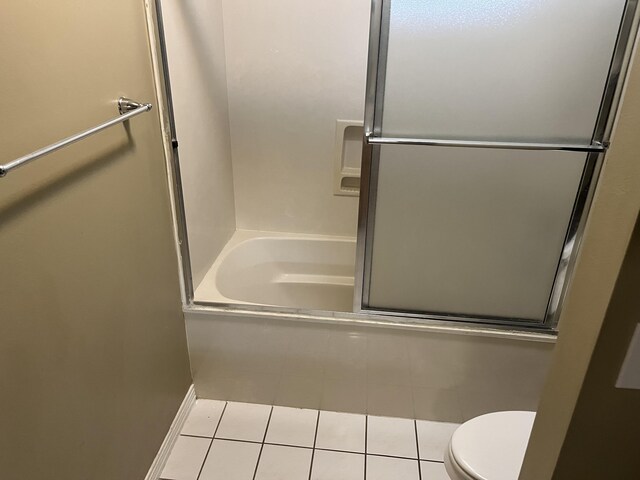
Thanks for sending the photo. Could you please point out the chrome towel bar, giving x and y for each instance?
(127, 108)
(596, 147)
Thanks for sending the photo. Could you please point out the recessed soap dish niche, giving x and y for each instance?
(348, 157)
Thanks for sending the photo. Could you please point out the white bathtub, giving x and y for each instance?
(291, 270)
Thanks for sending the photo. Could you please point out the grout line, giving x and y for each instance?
(253, 442)
(287, 445)
(315, 439)
(211, 443)
(386, 456)
(224, 409)
(265, 443)
(339, 451)
(366, 437)
(415, 427)
(255, 472)
(321, 449)
(302, 447)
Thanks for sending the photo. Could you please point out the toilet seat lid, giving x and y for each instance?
(492, 446)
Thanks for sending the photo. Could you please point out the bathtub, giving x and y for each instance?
(338, 360)
(290, 270)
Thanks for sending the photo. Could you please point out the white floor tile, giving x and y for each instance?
(391, 436)
(341, 431)
(244, 421)
(230, 460)
(289, 434)
(284, 463)
(385, 468)
(203, 418)
(186, 459)
(292, 426)
(337, 466)
(433, 438)
(433, 471)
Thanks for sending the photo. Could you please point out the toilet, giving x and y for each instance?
(489, 447)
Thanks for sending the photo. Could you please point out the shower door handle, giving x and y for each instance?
(595, 147)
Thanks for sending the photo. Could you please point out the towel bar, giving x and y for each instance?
(127, 108)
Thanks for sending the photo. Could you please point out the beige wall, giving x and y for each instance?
(604, 434)
(93, 359)
(197, 69)
(609, 229)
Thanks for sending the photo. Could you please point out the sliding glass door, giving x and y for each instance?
(485, 126)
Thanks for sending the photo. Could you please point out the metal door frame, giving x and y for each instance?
(363, 316)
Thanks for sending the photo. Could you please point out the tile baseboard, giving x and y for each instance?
(172, 435)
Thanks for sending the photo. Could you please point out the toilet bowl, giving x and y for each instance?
(489, 447)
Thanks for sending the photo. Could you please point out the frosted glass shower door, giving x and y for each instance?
(485, 126)
(501, 70)
(470, 232)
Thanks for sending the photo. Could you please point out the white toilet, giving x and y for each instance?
(489, 447)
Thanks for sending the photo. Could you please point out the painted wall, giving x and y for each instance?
(93, 355)
(412, 373)
(607, 419)
(611, 223)
(196, 56)
(293, 68)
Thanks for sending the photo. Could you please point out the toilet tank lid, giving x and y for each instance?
(492, 446)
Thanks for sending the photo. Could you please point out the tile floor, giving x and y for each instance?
(243, 441)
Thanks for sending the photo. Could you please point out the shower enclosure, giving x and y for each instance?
(442, 177)
(485, 125)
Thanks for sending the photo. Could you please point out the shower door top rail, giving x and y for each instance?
(595, 147)
(127, 109)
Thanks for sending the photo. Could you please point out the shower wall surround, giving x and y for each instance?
(256, 98)
(293, 69)
(197, 69)
(260, 86)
